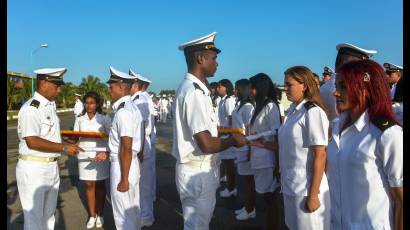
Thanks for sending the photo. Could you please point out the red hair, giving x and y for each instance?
(367, 76)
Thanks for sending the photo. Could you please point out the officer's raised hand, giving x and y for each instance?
(123, 186)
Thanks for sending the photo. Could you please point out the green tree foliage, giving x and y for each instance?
(66, 97)
(167, 92)
(15, 97)
(93, 83)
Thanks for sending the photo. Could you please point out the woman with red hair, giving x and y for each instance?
(365, 154)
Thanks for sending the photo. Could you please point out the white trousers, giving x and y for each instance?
(126, 205)
(197, 188)
(164, 117)
(146, 190)
(296, 216)
(38, 184)
(154, 173)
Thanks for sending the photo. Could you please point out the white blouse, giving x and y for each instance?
(241, 118)
(99, 123)
(268, 119)
(362, 164)
(226, 107)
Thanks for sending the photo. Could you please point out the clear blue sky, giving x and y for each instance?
(88, 36)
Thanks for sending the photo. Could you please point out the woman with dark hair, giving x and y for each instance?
(365, 155)
(226, 106)
(303, 139)
(398, 101)
(93, 166)
(241, 118)
(265, 121)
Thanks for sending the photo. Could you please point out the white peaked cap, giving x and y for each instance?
(139, 76)
(53, 72)
(368, 53)
(392, 67)
(328, 70)
(202, 43)
(77, 94)
(118, 76)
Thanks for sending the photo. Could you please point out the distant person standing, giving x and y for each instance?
(78, 106)
(195, 140)
(398, 101)
(394, 74)
(327, 74)
(345, 52)
(37, 171)
(163, 108)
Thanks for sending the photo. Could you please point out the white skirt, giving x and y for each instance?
(228, 154)
(93, 170)
(264, 181)
(244, 168)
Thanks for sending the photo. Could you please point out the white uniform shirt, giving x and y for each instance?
(143, 107)
(226, 106)
(127, 121)
(163, 105)
(193, 114)
(99, 123)
(301, 129)
(362, 164)
(398, 110)
(152, 114)
(241, 118)
(326, 95)
(78, 107)
(393, 90)
(41, 121)
(268, 119)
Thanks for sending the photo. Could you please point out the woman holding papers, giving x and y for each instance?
(93, 168)
(241, 118)
(303, 138)
(266, 117)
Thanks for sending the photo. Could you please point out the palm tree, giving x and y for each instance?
(66, 97)
(93, 83)
(15, 95)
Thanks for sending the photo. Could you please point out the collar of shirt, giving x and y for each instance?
(296, 107)
(359, 124)
(44, 101)
(135, 94)
(119, 101)
(191, 77)
(88, 118)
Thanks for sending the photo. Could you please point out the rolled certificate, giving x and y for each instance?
(83, 134)
(95, 149)
(259, 135)
(230, 130)
(91, 152)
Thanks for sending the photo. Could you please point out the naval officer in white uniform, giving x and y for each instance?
(195, 133)
(40, 146)
(146, 198)
(78, 106)
(125, 140)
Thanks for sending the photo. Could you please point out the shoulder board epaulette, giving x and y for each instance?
(121, 106)
(136, 97)
(383, 123)
(308, 105)
(35, 103)
(198, 87)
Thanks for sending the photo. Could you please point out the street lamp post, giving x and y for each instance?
(32, 66)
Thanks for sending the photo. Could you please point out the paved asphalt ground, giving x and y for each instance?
(71, 208)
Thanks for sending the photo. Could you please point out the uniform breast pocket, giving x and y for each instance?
(46, 127)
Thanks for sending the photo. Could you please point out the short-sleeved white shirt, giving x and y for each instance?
(226, 106)
(193, 114)
(143, 107)
(241, 118)
(362, 164)
(268, 119)
(153, 113)
(302, 128)
(78, 107)
(327, 97)
(40, 121)
(99, 123)
(127, 122)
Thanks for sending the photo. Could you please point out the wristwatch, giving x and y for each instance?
(65, 149)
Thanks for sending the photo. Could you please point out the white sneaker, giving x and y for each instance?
(245, 215)
(147, 223)
(239, 210)
(223, 179)
(91, 223)
(226, 193)
(99, 222)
